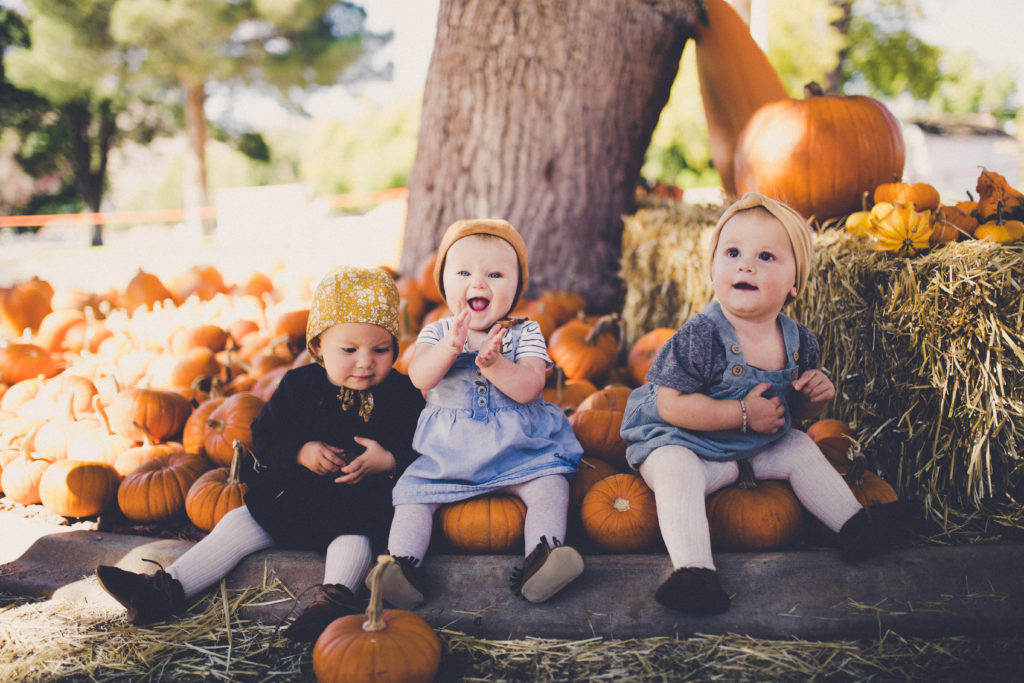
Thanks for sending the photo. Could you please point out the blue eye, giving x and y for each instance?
(495, 275)
(766, 256)
(732, 252)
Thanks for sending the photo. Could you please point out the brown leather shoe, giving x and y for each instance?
(147, 597)
(694, 591)
(331, 602)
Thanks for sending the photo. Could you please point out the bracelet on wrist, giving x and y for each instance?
(743, 409)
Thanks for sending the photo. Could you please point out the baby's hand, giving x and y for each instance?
(373, 460)
(320, 458)
(490, 349)
(815, 386)
(764, 415)
(456, 337)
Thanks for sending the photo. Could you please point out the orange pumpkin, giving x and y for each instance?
(869, 488)
(194, 432)
(584, 350)
(591, 471)
(230, 421)
(1000, 231)
(611, 397)
(486, 524)
(834, 439)
(385, 645)
(753, 515)
(292, 324)
(819, 154)
(21, 361)
(560, 305)
(196, 363)
(76, 488)
(951, 223)
(20, 478)
(155, 491)
(145, 290)
(25, 305)
(597, 430)
(216, 493)
(619, 514)
(922, 195)
(213, 337)
(736, 79)
(642, 353)
(99, 444)
(139, 413)
(567, 394)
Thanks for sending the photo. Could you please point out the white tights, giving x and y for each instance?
(681, 480)
(237, 535)
(546, 499)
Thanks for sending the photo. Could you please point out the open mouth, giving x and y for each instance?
(745, 286)
(478, 304)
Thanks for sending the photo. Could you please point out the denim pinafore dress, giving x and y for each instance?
(473, 439)
(644, 430)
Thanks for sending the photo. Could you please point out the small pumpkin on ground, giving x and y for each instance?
(385, 645)
(753, 515)
(619, 514)
(216, 492)
(78, 488)
(491, 523)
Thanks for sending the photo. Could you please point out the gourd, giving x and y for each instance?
(921, 195)
(491, 523)
(619, 514)
(642, 353)
(951, 223)
(753, 515)
(386, 645)
(216, 492)
(736, 79)
(78, 488)
(899, 228)
(819, 154)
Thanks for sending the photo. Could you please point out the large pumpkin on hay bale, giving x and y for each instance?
(491, 523)
(382, 645)
(819, 154)
(619, 514)
(753, 515)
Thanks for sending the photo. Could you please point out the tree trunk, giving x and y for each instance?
(195, 159)
(91, 139)
(834, 80)
(540, 112)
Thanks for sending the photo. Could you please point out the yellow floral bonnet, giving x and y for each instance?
(352, 295)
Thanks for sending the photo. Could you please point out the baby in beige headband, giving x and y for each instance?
(726, 388)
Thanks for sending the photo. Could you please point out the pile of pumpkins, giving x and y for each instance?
(144, 398)
(908, 218)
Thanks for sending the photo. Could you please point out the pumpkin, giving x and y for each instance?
(25, 305)
(753, 515)
(216, 493)
(77, 488)
(194, 432)
(424, 277)
(155, 491)
(156, 414)
(819, 154)
(611, 397)
(567, 394)
(619, 514)
(386, 645)
(145, 290)
(412, 302)
(196, 363)
(55, 435)
(995, 196)
(210, 336)
(99, 444)
(899, 228)
(834, 439)
(584, 350)
(130, 458)
(204, 282)
(736, 79)
(55, 327)
(921, 195)
(591, 471)
(950, 223)
(21, 476)
(560, 305)
(867, 487)
(230, 421)
(644, 349)
(292, 324)
(22, 361)
(1000, 231)
(490, 523)
(258, 285)
(597, 430)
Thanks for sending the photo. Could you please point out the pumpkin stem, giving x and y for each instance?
(236, 461)
(147, 438)
(374, 611)
(621, 505)
(813, 89)
(746, 481)
(855, 477)
(97, 406)
(606, 324)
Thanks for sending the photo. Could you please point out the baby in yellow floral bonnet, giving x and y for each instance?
(326, 449)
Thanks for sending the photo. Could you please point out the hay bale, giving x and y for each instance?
(927, 354)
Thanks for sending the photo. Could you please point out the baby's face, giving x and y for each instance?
(754, 271)
(356, 355)
(481, 273)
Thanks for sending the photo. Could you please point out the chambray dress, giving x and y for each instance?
(473, 439)
(644, 430)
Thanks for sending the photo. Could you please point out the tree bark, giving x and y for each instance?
(91, 139)
(194, 180)
(540, 112)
